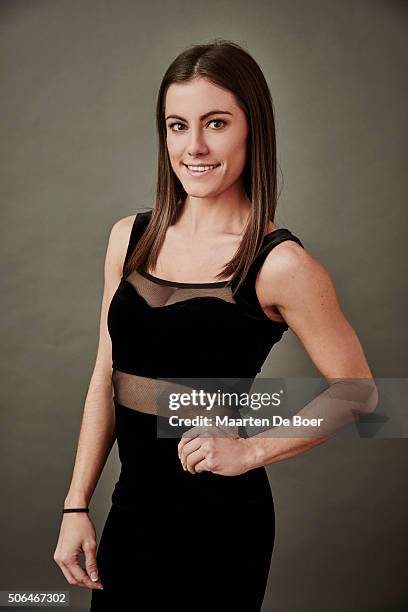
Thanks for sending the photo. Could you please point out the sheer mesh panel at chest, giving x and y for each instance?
(159, 292)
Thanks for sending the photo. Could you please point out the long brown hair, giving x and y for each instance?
(228, 65)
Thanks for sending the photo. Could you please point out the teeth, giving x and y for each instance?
(200, 168)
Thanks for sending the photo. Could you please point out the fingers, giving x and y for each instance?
(202, 466)
(194, 448)
(194, 433)
(80, 576)
(75, 574)
(90, 562)
(188, 448)
(194, 458)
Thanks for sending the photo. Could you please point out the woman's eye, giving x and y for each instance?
(218, 121)
(171, 125)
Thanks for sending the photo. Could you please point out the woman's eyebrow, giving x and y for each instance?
(213, 112)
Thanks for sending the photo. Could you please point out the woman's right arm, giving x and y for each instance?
(97, 433)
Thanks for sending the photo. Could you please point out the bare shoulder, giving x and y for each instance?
(120, 232)
(119, 239)
(290, 273)
(122, 227)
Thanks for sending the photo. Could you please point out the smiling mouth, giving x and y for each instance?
(201, 170)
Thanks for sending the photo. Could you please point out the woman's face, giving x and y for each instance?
(218, 139)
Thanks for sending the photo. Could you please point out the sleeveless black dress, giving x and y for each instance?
(172, 539)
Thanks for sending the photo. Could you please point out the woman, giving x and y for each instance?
(202, 286)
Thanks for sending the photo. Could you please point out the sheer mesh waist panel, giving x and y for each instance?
(155, 396)
(142, 393)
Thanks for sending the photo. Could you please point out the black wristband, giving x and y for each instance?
(75, 510)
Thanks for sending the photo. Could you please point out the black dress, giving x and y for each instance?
(172, 539)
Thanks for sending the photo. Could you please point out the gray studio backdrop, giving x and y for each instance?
(78, 88)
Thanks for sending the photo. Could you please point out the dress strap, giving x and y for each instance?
(139, 225)
(271, 241)
(246, 295)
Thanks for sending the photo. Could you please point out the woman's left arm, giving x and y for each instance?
(301, 288)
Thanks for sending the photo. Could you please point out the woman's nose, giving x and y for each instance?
(196, 143)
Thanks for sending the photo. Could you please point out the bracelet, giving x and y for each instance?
(75, 510)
